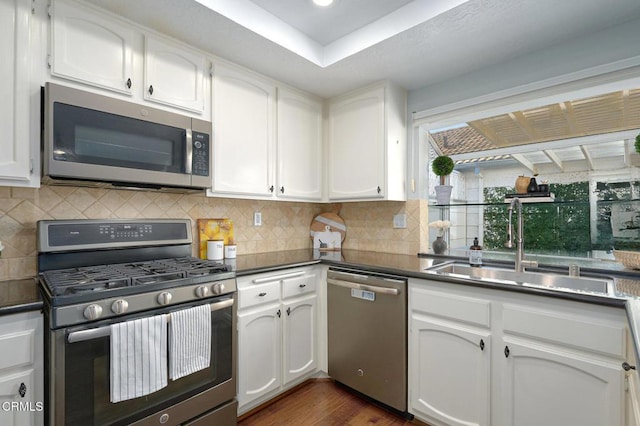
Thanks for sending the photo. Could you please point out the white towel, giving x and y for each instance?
(138, 357)
(189, 341)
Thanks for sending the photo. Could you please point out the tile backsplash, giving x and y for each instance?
(285, 225)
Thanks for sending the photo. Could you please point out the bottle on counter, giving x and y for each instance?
(475, 253)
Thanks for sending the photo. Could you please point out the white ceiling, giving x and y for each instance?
(355, 42)
(327, 24)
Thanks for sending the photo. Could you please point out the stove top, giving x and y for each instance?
(92, 279)
(109, 269)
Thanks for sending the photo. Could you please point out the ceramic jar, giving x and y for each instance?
(439, 245)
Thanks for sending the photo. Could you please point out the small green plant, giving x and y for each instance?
(638, 143)
(442, 166)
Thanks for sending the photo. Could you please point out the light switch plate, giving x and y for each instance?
(257, 219)
(400, 221)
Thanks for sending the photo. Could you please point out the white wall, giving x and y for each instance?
(621, 43)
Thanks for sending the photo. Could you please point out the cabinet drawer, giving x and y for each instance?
(566, 329)
(300, 285)
(18, 349)
(452, 306)
(258, 294)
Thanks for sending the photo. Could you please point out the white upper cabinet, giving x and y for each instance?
(367, 144)
(264, 147)
(299, 146)
(243, 133)
(173, 75)
(15, 160)
(95, 48)
(91, 48)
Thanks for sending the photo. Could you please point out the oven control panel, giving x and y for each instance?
(78, 235)
(129, 304)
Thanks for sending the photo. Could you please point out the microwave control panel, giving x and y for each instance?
(200, 161)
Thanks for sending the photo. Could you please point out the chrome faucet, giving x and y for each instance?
(521, 263)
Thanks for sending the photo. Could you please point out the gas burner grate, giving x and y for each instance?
(85, 279)
(106, 277)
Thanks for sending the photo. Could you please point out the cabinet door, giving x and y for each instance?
(19, 405)
(356, 146)
(632, 398)
(450, 372)
(15, 165)
(299, 146)
(259, 353)
(173, 76)
(90, 48)
(546, 386)
(244, 133)
(299, 338)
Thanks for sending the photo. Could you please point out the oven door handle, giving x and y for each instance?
(95, 333)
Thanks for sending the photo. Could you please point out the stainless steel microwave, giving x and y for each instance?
(97, 139)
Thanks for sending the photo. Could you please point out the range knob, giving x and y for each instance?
(92, 312)
(120, 306)
(164, 298)
(217, 288)
(202, 291)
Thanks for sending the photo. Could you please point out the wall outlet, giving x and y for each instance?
(257, 219)
(400, 220)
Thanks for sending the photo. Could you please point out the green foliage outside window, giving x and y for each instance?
(560, 228)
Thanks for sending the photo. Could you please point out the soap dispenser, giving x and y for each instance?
(475, 253)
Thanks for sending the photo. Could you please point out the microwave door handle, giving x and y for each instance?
(189, 152)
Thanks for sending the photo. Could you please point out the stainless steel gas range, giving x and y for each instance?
(97, 273)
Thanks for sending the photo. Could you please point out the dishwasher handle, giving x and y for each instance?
(365, 287)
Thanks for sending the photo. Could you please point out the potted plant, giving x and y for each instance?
(638, 143)
(442, 166)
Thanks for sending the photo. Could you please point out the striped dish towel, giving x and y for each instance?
(138, 357)
(189, 341)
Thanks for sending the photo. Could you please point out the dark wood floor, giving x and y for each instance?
(322, 402)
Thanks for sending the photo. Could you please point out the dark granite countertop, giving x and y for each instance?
(627, 283)
(19, 296)
(625, 295)
(23, 295)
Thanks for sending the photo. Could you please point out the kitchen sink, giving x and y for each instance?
(527, 278)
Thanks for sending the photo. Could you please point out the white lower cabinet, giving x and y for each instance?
(547, 386)
(449, 357)
(632, 381)
(277, 333)
(21, 369)
(299, 338)
(260, 352)
(489, 357)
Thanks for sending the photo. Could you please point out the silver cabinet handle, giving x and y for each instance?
(365, 287)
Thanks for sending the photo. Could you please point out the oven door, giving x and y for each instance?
(78, 376)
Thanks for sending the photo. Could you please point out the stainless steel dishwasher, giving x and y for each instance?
(367, 334)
